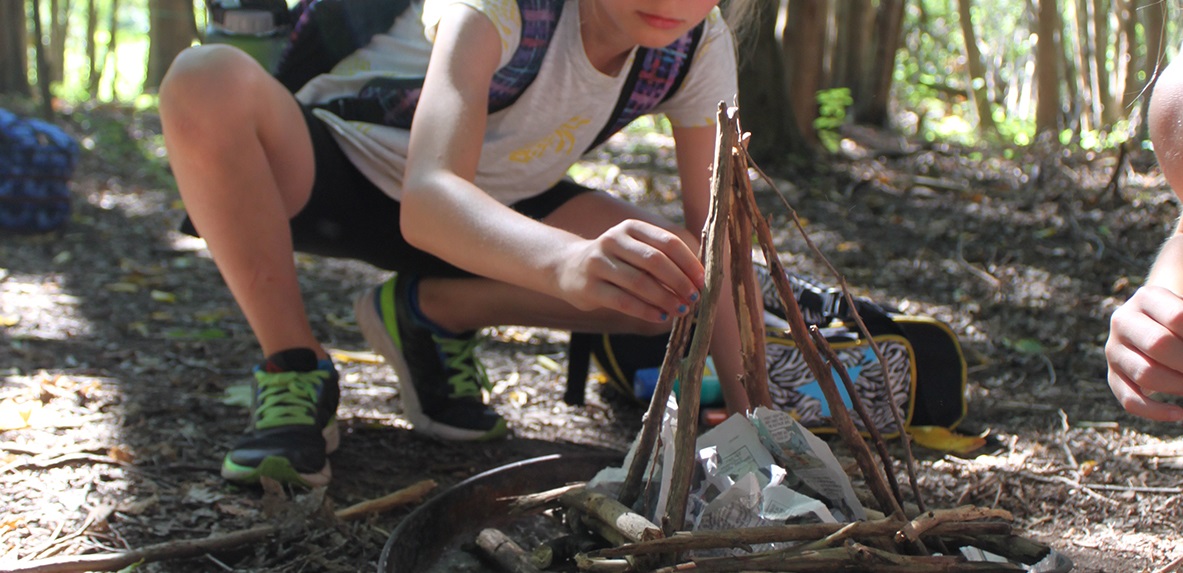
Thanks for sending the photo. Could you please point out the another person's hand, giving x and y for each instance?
(1145, 353)
(636, 268)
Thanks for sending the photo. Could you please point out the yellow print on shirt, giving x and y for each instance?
(561, 141)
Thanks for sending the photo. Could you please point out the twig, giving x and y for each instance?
(853, 557)
(185, 548)
(526, 503)
(857, 402)
(748, 301)
(799, 331)
(905, 440)
(1172, 566)
(747, 537)
(623, 525)
(505, 551)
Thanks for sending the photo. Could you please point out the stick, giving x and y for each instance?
(905, 440)
(505, 551)
(691, 378)
(859, 530)
(857, 401)
(748, 301)
(841, 417)
(623, 525)
(185, 548)
(854, 557)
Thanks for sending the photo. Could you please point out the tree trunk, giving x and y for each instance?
(92, 62)
(851, 45)
(889, 24)
(977, 71)
(14, 62)
(1101, 62)
(112, 53)
(804, 50)
(59, 19)
(172, 26)
(42, 66)
(762, 97)
(1086, 37)
(1128, 33)
(1047, 64)
(1154, 27)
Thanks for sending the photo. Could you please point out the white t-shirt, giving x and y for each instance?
(529, 146)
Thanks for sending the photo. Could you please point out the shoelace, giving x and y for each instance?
(287, 398)
(468, 375)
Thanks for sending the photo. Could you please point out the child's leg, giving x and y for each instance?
(240, 150)
(243, 160)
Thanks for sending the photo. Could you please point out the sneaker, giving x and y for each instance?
(441, 382)
(293, 422)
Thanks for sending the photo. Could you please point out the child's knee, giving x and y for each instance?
(212, 74)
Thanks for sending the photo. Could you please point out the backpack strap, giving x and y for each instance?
(392, 101)
(325, 31)
(655, 76)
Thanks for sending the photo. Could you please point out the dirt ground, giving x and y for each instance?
(122, 355)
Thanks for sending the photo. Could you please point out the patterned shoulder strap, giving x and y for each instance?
(656, 74)
(392, 101)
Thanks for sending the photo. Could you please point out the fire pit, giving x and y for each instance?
(430, 539)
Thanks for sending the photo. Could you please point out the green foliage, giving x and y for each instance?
(831, 113)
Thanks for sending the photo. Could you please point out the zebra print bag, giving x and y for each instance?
(795, 389)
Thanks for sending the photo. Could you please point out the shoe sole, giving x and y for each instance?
(374, 331)
(280, 469)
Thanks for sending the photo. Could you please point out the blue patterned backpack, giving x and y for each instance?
(36, 162)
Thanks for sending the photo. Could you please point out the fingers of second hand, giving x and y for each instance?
(662, 255)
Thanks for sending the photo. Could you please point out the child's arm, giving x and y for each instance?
(635, 268)
(696, 155)
(1145, 347)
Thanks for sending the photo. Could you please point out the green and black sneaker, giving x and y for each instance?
(293, 422)
(441, 382)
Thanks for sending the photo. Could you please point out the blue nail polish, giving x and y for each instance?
(682, 309)
(664, 317)
(693, 297)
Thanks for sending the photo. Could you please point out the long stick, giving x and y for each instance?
(747, 537)
(691, 375)
(185, 548)
(905, 440)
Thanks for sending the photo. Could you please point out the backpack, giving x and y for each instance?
(323, 32)
(925, 364)
(37, 160)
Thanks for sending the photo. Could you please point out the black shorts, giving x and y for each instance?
(347, 216)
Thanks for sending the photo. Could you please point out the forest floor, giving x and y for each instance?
(122, 355)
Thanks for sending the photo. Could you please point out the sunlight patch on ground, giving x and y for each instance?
(36, 307)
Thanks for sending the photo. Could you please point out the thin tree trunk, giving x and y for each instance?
(977, 71)
(59, 19)
(804, 39)
(92, 63)
(14, 62)
(172, 26)
(1101, 35)
(1047, 62)
(1154, 26)
(42, 66)
(112, 52)
(888, 31)
(1128, 20)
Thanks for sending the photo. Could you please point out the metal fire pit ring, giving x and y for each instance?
(446, 522)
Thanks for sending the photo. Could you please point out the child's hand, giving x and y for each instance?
(636, 268)
(1145, 353)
